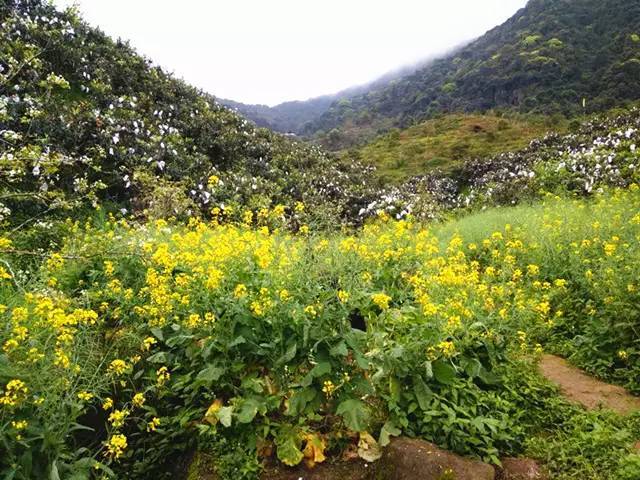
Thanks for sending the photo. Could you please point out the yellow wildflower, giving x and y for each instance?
(153, 424)
(381, 300)
(116, 445)
(85, 396)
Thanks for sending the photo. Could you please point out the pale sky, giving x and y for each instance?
(270, 51)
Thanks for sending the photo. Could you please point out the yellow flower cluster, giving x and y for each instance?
(116, 445)
(14, 393)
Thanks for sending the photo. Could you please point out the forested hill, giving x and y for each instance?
(86, 120)
(547, 58)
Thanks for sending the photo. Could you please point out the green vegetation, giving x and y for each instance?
(201, 296)
(136, 343)
(87, 121)
(545, 59)
(445, 142)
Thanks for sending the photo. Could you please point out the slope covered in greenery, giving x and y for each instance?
(446, 142)
(296, 116)
(85, 120)
(547, 58)
(230, 314)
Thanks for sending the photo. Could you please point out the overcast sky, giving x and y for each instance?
(270, 51)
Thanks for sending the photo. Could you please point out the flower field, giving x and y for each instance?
(136, 343)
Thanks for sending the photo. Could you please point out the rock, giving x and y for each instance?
(356, 470)
(403, 459)
(520, 469)
(410, 459)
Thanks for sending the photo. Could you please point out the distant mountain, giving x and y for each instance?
(549, 57)
(297, 116)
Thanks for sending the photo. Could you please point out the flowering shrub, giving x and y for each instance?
(142, 343)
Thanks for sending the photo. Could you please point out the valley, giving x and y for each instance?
(442, 260)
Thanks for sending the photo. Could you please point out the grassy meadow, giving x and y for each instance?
(445, 142)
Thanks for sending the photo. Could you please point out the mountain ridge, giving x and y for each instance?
(569, 57)
(546, 59)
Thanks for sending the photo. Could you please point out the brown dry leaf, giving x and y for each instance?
(211, 416)
(314, 450)
(350, 453)
(368, 448)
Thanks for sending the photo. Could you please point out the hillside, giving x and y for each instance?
(288, 117)
(447, 141)
(87, 121)
(547, 58)
(177, 283)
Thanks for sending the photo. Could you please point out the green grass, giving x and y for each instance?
(445, 142)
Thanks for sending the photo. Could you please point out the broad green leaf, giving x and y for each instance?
(237, 341)
(320, 369)
(248, 410)
(388, 430)
(472, 367)
(157, 332)
(224, 415)
(444, 372)
(355, 414)
(288, 355)
(340, 350)
(299, 401)
(422, 392)
(210, 374)
(160, 357)
(288, 448)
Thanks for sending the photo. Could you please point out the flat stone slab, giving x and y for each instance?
(412, 459)
(579, 387)
(520, 469)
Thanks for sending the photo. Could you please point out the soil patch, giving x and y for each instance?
(581, 388)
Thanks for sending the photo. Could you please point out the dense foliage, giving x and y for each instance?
(86, 120)
(295, 117)
(129, 338)
(547, 58)
(140, 342)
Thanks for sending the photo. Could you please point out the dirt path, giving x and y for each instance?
(581, 388)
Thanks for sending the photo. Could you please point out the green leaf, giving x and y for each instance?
(422, 392)
(471, 366)
(388, 429)
(395, 389)
(340, 350)
(320, 369)
(299, 401)
(237, 341)
(224, 415)
(355, 414)
(54, 475)
(160, 357)
(444, 372)
(288, 448)
(288, 355)
(157, 332)
(210, 374)
(248, 410)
